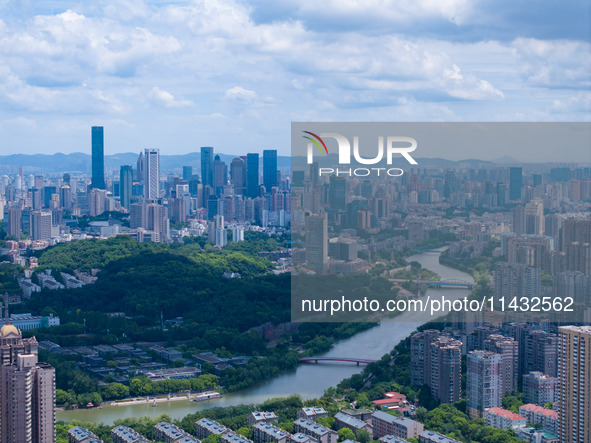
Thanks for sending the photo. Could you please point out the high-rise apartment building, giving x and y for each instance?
(252, 175)
(98, 158)
(420, 356)
(269, 169)
(508, 349)
(152, 174)
(446, 369)
(574, 384)
(541, 350)
(517, 280)
(539, 388)
(483, 384)
(27, 390)
(207, 166)
(125, 185)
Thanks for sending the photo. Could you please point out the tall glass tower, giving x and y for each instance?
(152, 174)
(207, 166)
(252, 175)
(269, 169)
(125, 185)
(98, 158)
(515, 183)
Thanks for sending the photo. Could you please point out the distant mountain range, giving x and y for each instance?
(80, 162)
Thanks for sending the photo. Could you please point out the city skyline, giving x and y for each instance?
(67, 66)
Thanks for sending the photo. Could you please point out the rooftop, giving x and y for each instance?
(539, 410)
(504, 413)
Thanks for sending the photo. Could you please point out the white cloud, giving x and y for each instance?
(160, 97)
(239, 93)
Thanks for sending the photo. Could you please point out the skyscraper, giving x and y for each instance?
(238, 174)
(317, 242)
(140, 167)
(220, 175)
(40, 225)
(187, 173)
(574, 384)
(483, 382)
(27, 390)
(446, 369)
(125, 185)
(152, 174)
(98, 158)
(269, 169)
(252, 175)
(207, 166)
(515, 183)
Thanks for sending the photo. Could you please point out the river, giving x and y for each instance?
(308, 380)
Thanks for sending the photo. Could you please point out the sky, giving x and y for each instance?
(234, 74)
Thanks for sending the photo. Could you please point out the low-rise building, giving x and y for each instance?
(123, 434)
(538, 415)
(263, 432)
(319, 432)
(387, 424)
(185, 372)
(206, 427)
(82, 435)
(434, 437)
(169, 433)
(312, 413)
(532, 435)
(261, 416)
(346, 421)
(232, 437)
(391, 439)
(360, 414)
(168, 354)
(500, 418)
(302, 438)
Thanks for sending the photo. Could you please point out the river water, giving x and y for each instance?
(308, 380)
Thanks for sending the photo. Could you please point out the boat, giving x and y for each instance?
(207, 396)
(154, 404)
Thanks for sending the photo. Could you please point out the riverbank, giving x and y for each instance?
(309, 381)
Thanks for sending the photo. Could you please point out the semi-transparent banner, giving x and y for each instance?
(414, 222)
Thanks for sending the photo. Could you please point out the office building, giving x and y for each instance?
(574, 384)
(40, 225)
(187, 173)
(317, 242)
(140, 170)
(98, 158)
(269, 169)
(14, 222)
(220, 175)
(152, 174)
(446, 369)
(207, 166)
(515, 183)
(387, 424)
(27, 390)
(483, 384)
(539, 388)
(252, 175)
(238, 176)
(125, 185)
